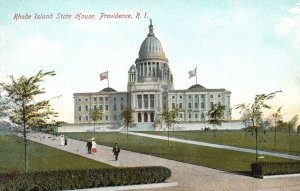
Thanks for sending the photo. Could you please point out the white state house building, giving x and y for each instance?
(149, 92)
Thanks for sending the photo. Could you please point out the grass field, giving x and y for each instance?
(40, 157)
(205, 156)
(240, 138)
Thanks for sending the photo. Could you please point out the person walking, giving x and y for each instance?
(116, 150)
(62, 140)
(94, 146)
(66, 140)
(89, 146)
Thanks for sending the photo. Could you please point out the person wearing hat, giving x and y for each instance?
(89, 146)
(116, 150)
(94, 146)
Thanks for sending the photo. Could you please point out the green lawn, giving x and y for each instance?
(41, 157)
(240, 138)
(199, 155)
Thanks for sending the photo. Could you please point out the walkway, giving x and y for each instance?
(189, 177)
(287, 156)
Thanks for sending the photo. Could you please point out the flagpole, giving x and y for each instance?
(107, 80)
(196, 74)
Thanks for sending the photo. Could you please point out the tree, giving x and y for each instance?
(128, 120)
(277, 116)
(5, 106)
(26, 111)
(216, 116)
(95, 116)
(292, 124)
(168, 117)
(254, 112)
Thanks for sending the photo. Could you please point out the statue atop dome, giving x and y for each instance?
(150, 29)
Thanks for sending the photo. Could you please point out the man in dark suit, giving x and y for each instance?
(116, 150)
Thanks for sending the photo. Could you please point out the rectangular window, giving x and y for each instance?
(173, 105)
(79, 100)
(202, 96)
(190, 105)
(202, 105)
(196, 105)
(211, 104)
(121, 98)
(190, 115)
(190, 96)
(122, 107)
(95, 99)
(146, 101)
(79, 108)
(86, 99)
(106, 117)
(211, 96)
(180, 105)
(100, 107)
(173, 97)
(196, 115)
(106, 107)
(151, 101)
(115, 107)
(180, 115)
(115, 99)
(139, 98)
(196, 96)
(219, 95)
(87, 118)
(86, 108)
(95, 107)
(79, 118)
(106, 99)
(180, 97)
(101, 98)
(100, 117)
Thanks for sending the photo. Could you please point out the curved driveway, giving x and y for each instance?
(189, 177)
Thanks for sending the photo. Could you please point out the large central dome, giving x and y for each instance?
(151, 46)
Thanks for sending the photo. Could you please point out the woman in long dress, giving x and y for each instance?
(94, 146)
(62, 140)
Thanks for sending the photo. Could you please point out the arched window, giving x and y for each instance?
(139, 117)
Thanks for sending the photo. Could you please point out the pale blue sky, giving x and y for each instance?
(247, 47)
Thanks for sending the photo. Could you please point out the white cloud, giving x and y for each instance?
(289, 27)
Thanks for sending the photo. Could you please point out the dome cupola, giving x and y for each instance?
(151, 46)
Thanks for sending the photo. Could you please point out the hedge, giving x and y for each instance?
(79, 179)
(261, 169)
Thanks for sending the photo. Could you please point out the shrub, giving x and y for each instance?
(79, 179)
(274, 168)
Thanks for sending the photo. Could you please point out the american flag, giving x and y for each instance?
(104, 76)
(192, 73)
